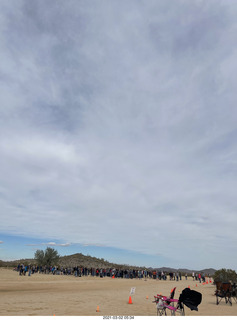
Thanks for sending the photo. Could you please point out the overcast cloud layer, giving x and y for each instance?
(118, 125)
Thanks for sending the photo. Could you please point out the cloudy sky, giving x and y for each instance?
(118, 128)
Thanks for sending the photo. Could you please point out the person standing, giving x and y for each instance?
(200, 277)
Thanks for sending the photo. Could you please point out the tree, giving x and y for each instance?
(225, 275)
(39, 256)
(48, 257)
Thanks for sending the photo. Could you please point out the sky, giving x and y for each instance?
(118, 128)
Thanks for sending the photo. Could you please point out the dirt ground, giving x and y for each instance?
(41, 295)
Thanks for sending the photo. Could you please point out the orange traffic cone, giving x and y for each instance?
(98, 309)
(130, 300)
(146, 297)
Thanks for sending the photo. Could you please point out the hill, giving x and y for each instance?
(79, 259)
(73, 260)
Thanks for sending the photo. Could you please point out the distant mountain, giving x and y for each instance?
(210, 271)
(184, 271)
(79, 259)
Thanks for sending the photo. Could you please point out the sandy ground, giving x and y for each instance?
(40, 295)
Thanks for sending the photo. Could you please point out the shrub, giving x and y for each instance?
(225, 275)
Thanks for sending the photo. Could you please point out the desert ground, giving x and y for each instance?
(60, 295)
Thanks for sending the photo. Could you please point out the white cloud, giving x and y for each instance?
(92, 244)
(119, 126)
(51, 244)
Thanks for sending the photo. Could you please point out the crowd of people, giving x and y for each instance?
(80, 271)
